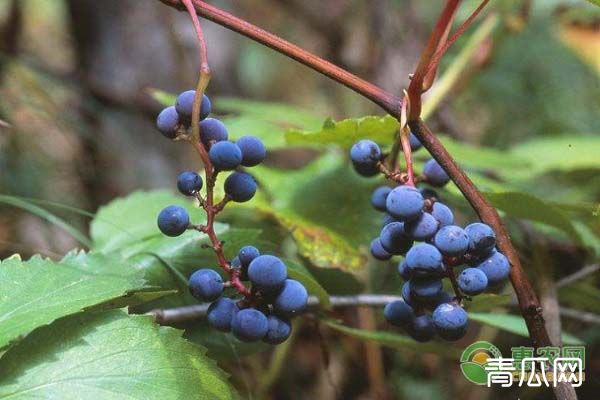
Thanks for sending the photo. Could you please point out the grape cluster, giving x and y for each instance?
(224, 155)
(266, 315)
(264, 312)
(419, 227)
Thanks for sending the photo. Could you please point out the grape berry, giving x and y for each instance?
(416, 215)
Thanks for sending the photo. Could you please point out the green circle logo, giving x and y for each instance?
(474, 359)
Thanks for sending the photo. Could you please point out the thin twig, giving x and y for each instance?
(172, 315)
(576, 276)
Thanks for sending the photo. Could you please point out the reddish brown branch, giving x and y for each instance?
(259, 35)
(439, 53)
(439, 31)
(528, 302)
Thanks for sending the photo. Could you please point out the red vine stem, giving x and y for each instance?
(415, 87)
(211, 174)
(528, 302)
(437, 56)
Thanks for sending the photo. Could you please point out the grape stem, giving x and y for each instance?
(528, 302)
(208, 203)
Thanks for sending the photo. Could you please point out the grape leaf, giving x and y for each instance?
(129, 220)
(347, 132)
(38, 291)
(513, 324)
(110, 355)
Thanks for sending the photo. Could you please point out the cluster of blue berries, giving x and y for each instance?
(420, 228)
(266, 314)
(247, 151)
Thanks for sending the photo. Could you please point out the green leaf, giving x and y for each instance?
(281, 115)
(383, 129)
(128, 220)
(325, 210)
(488, 301)
(337, 281)
(110, 355)
(395, 340)
(595, 2)
(46, 215)
(562, 153)
(346, 132)
(514, 324)
(525, 206)
(38, 291)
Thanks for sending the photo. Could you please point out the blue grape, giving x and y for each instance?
(378, 197)
(398, 313)
(378, 252)
(206, 284)
(184, 105)
(388, 219)
(225, 156)
(189, 183)
(240, 186)
(167, 122)
(253, 150)
(415, 143)
(220, 313)
(472, 281)
(496, 267)
(404, 271)
(482, 238)
(442, 214)
(425, 260)
(426, 288)
(365, 155)
(442, 297)
(247, 254)
(249, 325)
(404, 203)
(450, 321)
(279, 330)
(173, 220)
(429, 193)
(452, 240)
(292, 298)
(406, 293)
(393, 238)
(212, 130)
(235, 262)
(435, 174)
(267, 272)
(422, 329)
(422, 228)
